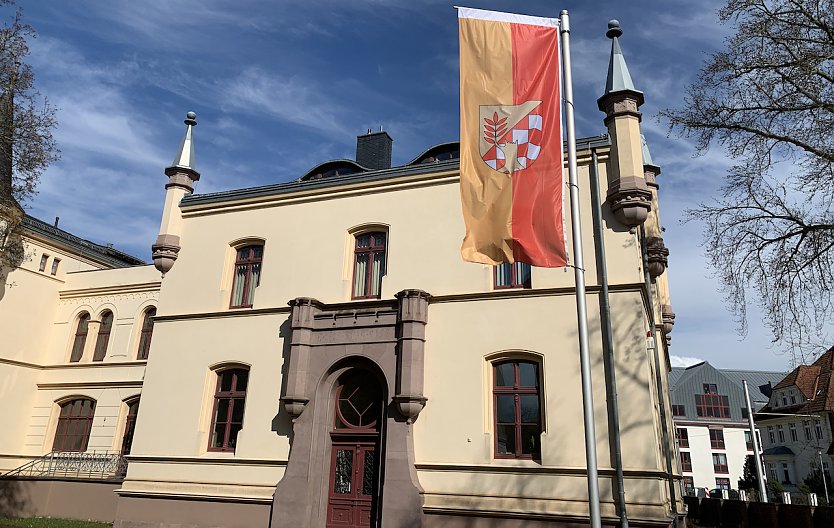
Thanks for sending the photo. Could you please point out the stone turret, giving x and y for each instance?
(181, 177)
(628, 195)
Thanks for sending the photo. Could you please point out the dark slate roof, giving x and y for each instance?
(361, 177)
(755, 378)
(81, 247)
(778, 450)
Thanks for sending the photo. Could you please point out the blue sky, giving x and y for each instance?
(281, 86)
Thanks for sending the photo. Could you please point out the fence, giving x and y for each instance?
(88, 465)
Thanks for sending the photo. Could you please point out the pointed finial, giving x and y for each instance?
(614, 29)
(185, 155)
(190, 119)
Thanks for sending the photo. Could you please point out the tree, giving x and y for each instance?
(814, 482)
(768, 99)
(26, 143)
(749, 480)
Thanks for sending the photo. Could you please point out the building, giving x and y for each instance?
(712, 430)
(796, 423)
(316, 353)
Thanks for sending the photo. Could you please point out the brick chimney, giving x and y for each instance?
(373, 150)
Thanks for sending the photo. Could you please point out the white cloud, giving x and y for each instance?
(684, 361)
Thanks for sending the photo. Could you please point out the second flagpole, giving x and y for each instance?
(579, 273)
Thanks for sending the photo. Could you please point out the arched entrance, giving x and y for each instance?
(354, 455)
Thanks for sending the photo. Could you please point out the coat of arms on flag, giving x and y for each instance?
(512, 136)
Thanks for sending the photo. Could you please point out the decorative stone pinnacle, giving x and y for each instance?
(614, 29)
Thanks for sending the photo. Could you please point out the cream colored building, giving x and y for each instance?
(321, 356)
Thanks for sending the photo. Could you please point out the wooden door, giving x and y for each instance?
(353, 476)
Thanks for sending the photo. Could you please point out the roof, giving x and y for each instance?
(778, 450)
(756, 379)
(815, 382)
(410, 169)
(619, 79)
(104, 254)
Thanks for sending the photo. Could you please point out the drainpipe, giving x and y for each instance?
(607, 339)
(657, 372)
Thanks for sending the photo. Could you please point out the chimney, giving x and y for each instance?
(373, 150)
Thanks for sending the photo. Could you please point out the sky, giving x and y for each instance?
(279, 87)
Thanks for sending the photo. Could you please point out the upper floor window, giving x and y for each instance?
(818, 429)
(517, 275)
(780, 432)
(55, 263)
(770, 434)
(44, 260)
(710, 388)
(74, 424)
(103, 337)
(719, 463)
(686, 461)
(716, 438)
(710, 405)
(247, 275)
(229, 402)
(80, 337)
(368, 265)
(682, 436)
(517, 407)
(678, 410)
(748, 439)
(146, 333)
(794, 436)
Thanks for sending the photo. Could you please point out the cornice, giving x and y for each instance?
(61, 366)
(133, 384)
(145, 287)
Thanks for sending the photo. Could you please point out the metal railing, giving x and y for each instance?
(64, 464)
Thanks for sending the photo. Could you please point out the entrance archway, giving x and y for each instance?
(354, 455)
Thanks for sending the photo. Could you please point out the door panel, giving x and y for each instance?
(353, 477)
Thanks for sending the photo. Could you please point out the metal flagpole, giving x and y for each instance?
(579, 273)
(756, 452)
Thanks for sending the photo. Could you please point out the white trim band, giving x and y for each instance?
(498, 16)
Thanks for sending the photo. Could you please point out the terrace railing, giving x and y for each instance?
(63, 464)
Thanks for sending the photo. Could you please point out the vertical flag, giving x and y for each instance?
(510, 139)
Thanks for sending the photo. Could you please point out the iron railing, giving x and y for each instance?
(87, 465)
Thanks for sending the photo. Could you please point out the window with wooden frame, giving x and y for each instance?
(130, 426)
(103, 338)
(516, 275)
(716, 438)
(80, 338)
(74, 423)
(682, 436)
(146, 333)
(719, 463)
(368, 265)
(248, 260)
(517, 409)
(44, 260)
(686, 461)
(712, 405)
(229, 403)
(678, 410)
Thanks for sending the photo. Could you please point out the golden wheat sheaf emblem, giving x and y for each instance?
(511, 135)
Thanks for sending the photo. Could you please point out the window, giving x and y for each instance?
(716, 438)
(229, 402)
(748, 439)
(686, 461)
(719, 463)
(793, 398)
(771, 471)
(678, 410)
(712, 405)
(784, 400)
(74, 425)
(744, 414)
(786, 474)
(807, 425)
(517, 409)
(130, 426)
(368, 265)
(722, 483)
(80, 338)
(710, 388)
(780, 432)
(770, 434)
(517, 275)
(682, 436)
(794, 436)
(688, 485)
(44, 259)
(146, 333)
(55, 263)
(247, 276)
(103, 336)
(818, 429)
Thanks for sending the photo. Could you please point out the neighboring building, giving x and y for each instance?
(318, 354)
(797, 422)
(711, 425)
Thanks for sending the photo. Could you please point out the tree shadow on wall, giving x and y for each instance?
(14, 501)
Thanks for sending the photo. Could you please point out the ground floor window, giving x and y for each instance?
(722, 483)
(74, 424)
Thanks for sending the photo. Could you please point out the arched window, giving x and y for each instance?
(247, 276)
(74, 423)
(516, 275)
(146, 333)
(517, 409)
(103, 337)
(130, 425)
(80, 337)
(369, 265)
(229, 403)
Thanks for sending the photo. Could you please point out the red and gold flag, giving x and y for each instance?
(510, 139)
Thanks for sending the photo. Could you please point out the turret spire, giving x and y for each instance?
(619, 79)
(185, 156)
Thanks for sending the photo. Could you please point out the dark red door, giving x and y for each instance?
(352, 484)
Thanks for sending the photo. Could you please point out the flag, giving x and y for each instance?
(510, 139)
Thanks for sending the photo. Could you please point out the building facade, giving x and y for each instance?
(712, 430)
(316, 353)
(796, 424)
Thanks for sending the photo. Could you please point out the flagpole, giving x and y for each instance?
(579, 274)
